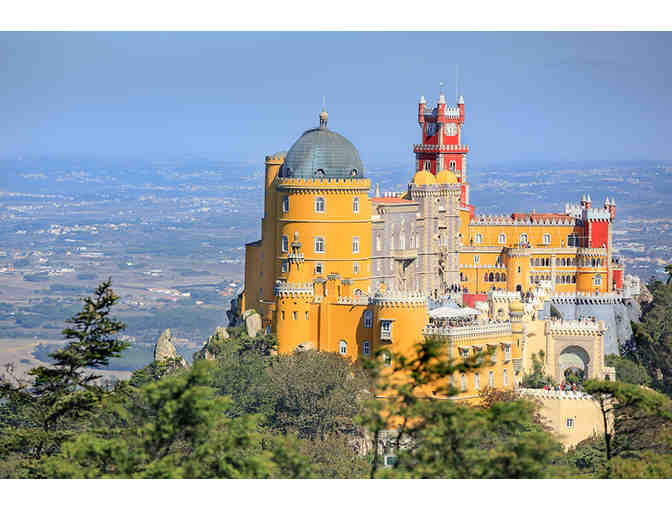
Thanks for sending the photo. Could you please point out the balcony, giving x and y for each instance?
(410, 254)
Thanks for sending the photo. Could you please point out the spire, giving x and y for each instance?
(460, 100)
(442, 97)
(606, 202)
(588, 198)
(583, 197)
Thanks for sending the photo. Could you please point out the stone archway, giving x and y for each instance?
(574, 358)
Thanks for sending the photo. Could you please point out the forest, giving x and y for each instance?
(248, 412)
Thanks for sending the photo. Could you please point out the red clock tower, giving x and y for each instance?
(441, 147)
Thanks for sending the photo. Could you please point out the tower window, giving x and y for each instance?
(366, 349)
(318, 267)
(284, 266)
(570, 423)
(379, 245)
(285, 204)
(428, 164)
(319, 245)
(523, 239)
(282, 315)
(355, 267)
(355, 245)
(306, 315)
(501, 239)
(597, 280)
(343, 347)
(547, 239)
(463, 382)
(319, 204)
(285, 244)
(478, 238)
(505, 378)
(452, 165)
(355, 205)
(294, 315)
(477, 259)
(368, 319)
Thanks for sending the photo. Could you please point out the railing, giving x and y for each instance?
(475, 330)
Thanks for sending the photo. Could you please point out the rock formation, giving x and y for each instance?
(252, 322)
(164, 350)
(210, 348)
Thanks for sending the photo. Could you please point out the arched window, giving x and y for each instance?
(503, 277)
(355, 205)
(452, 165)
(498, 277)
(491, 277)
(402, 242)
(573, 278)
(343, 347)
(501, 239)
(428, 164)
(319, 245)
(368, 319)
(547, 239)
(366, 349)
(319, 204)
(523, 239)
(355, 244)
(379, 245)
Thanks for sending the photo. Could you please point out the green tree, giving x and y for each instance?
(635, 421)
(537, 378)
(628, 371)
(435, 437)
(651, 342)
(177, 427)
(48, 407)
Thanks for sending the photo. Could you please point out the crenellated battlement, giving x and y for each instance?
(478, 330)
(423, 147)
(489, 219)
(574, 327)
(554, 394)
(353, 300)
(284, 289)
(503, 295)
(585, 298)
(399, 298)
(289, 183)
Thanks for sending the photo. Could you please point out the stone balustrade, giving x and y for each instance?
(353, 300)
(554, 394)
(399, 298)
(574, 327)
(293, 289)
(488, 329)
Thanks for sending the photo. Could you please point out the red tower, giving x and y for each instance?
(441, 147)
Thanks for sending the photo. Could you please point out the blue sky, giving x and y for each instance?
(241, 95)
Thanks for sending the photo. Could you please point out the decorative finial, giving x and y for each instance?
(422, 100)
(324, 117)
(377, 191)
(588, 198)
(460, 100)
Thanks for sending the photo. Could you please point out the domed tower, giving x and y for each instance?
(323, 200)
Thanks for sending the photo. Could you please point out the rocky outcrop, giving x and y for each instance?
(233, 313)
(252, 322)
(164, 350)
(211, 347)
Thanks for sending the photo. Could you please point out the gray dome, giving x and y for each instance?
(322, 153)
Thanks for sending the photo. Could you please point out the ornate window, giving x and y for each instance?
(319, 245)
(355, 205)
(285, 244)
(343, 347)
(501, 238)
(368, 319)
(319, 204)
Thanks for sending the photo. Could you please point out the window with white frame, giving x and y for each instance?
(491, 379)
(368, 319)
(379, 244)
(597, 280)
(463, 382)
(366, 349)
(355, 245)
(355, 205)
(319, 245)
(523, 239)
(355, 267)
(285, 204)
(428, 164)
(294, 315)
(285, 244)
(343, 347)
(402, 242)
(505, 378)
(284, 266)
(318, 268)
(452, 165)
(319, 204)
(477, 259)
(570, 423)
(478, 238)
(546, 239)
(477, 381)
(501, 239)
(493, 354)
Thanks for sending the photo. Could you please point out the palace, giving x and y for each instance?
(340, 270)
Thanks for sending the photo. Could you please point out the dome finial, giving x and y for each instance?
(324, 116)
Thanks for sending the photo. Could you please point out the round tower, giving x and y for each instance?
(399, 318)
